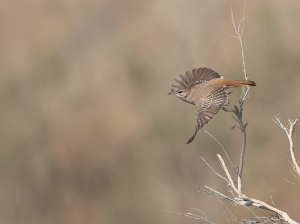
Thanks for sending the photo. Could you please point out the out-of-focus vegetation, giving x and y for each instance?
(88, 132)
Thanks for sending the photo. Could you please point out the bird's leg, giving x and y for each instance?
(225, 109)
(227, 104)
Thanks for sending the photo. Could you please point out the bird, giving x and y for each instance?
(205, 88)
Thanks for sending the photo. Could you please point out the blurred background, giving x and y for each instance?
(89, 134)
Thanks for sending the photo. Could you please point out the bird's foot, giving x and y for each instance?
(225, 109)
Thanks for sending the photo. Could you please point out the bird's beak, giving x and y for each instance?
(172, 92)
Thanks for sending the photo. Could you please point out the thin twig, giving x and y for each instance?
(198, 210)
(244, 200)
(219, 175)
(272, 201)
(222, 195)
(288, 181)
(284, 215)
(239, 201)
(231, 183)
(226, 209)
(239, 34)
(221, 147)
(239, 114)
(189, 215)
(289, 130)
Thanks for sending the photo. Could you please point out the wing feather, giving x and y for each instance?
(211, 105)
(196, 77)
(185, 79)
(181, 82)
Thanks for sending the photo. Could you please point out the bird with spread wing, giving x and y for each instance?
(206, 89)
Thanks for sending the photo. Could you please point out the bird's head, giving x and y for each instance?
(180, 93)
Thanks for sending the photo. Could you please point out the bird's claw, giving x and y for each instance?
(225, 109)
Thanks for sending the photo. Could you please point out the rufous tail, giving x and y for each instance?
(239, 83)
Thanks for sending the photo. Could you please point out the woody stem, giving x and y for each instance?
(239, 113)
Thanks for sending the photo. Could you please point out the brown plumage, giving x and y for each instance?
(204, 88)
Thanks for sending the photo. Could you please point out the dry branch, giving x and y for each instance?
(239, 197)
(239, 114)
(242, 199)
(289, 129)
(238, 34)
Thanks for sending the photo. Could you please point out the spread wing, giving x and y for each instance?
(209, 107)
(195, 77)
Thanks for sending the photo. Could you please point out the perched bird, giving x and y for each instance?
(204, 88)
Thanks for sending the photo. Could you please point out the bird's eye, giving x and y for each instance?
(180, 91)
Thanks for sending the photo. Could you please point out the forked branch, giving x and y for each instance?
(240, 198)
(243, 200)
(239, 114)
(239, 30)
(289, 130)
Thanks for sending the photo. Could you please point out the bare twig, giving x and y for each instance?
(191, 215)
(239, 114)
(272, 201)
(221, 147)
(289, 129)
(288, 181)
(238, 34)
(230, 181)
(219, 175)
(244, 200)
(261, 204)
(245, 94)
(240, 198)
(236, 201)
(199, 211)
(217, 193)
(226, 209)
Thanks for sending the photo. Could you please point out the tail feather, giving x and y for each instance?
(246, 83)
(230, 83)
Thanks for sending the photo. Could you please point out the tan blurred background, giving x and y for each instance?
(88, 132)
